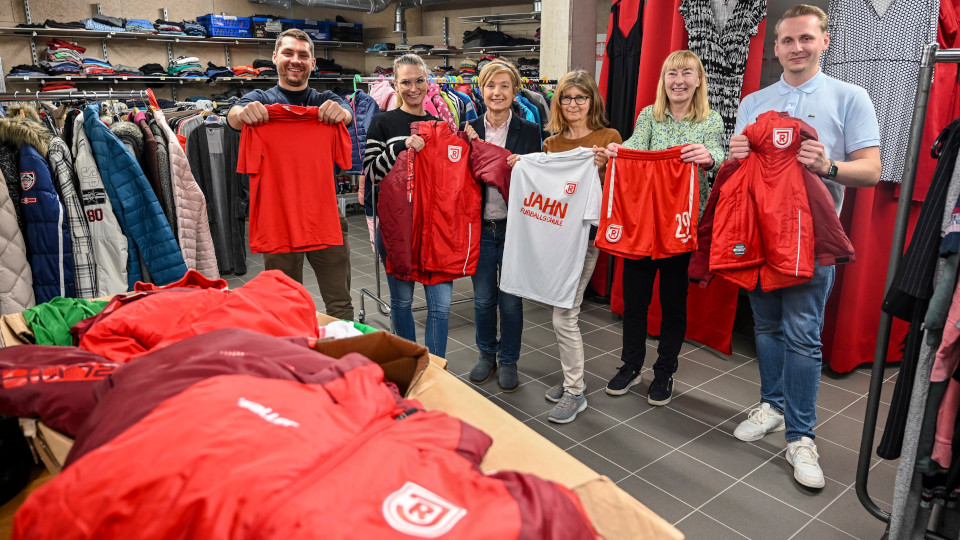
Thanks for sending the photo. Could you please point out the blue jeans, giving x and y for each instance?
(787, 324)
(401, 308)
(487, 296)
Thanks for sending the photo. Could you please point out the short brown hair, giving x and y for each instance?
(297, 34)
(802, 10)
(496, 67)
(596, 117)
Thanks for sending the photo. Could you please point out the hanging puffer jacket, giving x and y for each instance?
(16, 278)
(108, 242)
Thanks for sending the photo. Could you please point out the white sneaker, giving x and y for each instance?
(803, 456)
(760, 421)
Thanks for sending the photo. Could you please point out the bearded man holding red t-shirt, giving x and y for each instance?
(294, 57)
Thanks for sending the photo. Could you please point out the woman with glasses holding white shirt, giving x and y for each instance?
(388, 136)
(577, 118)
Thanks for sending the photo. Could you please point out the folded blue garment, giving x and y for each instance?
(91, 24)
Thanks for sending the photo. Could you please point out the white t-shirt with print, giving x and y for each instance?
(554, 198)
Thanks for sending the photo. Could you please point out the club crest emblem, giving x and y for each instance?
(782, 137)
(570, 188)
(614, 233)
(416, 511)
(27, 180)
(454, 153)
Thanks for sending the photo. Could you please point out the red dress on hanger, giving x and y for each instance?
(710, 311)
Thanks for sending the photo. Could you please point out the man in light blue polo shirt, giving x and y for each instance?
(788, 322)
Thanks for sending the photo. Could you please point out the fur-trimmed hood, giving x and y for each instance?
(18, 131)
(29, 111)
(130, 134)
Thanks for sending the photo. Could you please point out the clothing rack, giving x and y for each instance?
(444, 79)
(60, 96)
(930, 56)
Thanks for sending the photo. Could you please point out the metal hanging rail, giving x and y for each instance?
(60, 96)
(929, 58)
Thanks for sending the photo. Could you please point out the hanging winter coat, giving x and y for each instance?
(193, 225)
(108, 242)
(208, 152)
(385, 95)
(135, 205)
(163, 174)
(16, 278)
(47, 232)
(84, 261)
(364, 109)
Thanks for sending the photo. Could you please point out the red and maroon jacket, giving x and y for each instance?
(246, 457)
(769, 187)
(430, 207)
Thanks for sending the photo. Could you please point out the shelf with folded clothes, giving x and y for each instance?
(167, 38)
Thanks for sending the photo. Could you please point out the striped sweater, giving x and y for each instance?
(385, 141)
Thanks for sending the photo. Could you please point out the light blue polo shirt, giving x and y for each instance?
(842, 114)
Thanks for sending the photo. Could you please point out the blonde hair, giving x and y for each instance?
(596, 117)
(802, 10)
(297, 34)
(700, 109)
(496, 67)
(408, 59)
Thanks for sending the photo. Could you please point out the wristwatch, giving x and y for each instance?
(832, 172)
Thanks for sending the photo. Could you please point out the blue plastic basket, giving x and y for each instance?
(224, 21)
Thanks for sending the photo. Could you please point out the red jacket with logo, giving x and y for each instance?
(429, 206)
(768, 216)
(340, 455)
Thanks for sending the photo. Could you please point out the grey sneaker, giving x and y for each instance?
(555, 392)
(567, 409)
(485, 367)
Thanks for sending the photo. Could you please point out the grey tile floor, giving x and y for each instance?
(680, 460)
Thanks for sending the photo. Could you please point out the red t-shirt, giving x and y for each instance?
(293, 198)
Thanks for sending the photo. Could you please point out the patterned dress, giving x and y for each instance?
(870, 47)
(723, 49)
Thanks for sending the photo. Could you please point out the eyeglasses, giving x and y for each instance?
(581, 99)
(406, 85)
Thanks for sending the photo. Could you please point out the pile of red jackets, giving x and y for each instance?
(234, 434)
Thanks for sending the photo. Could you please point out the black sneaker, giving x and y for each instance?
(626, 377)
(661, 391)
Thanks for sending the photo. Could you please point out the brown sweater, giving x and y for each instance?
(600, 138)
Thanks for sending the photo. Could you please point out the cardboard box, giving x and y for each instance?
(516, 447)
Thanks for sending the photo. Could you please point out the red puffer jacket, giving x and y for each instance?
(768, 216)
(430, 209)
(130, 326)
(245, 457)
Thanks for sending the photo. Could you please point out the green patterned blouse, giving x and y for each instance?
(648, 134)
